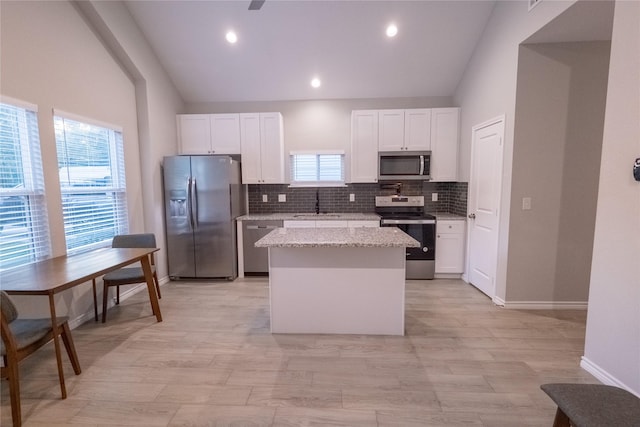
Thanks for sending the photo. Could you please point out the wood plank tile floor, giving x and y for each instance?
(213, 362)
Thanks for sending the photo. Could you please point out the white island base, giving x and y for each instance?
(337, 290)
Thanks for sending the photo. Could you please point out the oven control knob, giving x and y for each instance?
(425, 249)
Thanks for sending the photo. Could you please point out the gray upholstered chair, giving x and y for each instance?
(128, 275)
(22, 337)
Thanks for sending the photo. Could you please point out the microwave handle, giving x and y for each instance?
(421, 165)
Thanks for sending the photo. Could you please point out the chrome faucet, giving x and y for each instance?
(317, 202)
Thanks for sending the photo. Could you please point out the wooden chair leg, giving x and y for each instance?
(13, 375)
(67, 339)
(95, 300)
(105, 297)
(561, 419)
(155, 280)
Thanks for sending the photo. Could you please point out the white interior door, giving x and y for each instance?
(484, 201)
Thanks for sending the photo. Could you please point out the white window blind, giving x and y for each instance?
(317, 169)
(92, 183)
(24, 230)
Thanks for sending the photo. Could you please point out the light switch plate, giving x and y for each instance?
(526, 203)
(434, 197)
(265, 198)
(282, 197)
(352, 197)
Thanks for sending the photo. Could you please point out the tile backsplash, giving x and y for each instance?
(452, 197)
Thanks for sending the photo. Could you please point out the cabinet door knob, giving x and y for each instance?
(472, 216)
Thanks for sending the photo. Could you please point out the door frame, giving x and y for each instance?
(498, 119)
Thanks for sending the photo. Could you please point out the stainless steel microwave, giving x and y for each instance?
(404, 165)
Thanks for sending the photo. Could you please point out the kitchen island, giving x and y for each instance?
(337, 280)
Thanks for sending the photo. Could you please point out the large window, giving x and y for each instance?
(92, 182)
(24, 233)
(317, 169)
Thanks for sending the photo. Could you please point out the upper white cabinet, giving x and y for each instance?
(225, 133)
(209, 133)
(401, 130)
(417, 129)
(444, 144)
(262, 148)
(195, 133)
(390, 130)
(364, 146)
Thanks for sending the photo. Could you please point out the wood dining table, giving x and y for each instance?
(54, 275)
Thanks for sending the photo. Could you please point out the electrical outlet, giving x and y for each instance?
(526, 203)
(282, 197)
(352, 197)
(434, 197)
(265, 198)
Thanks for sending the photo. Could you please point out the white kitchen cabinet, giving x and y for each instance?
(391, 130)
(450, 246)
(292, 223)
(444, 144)
(364, 146)
(332, 223)
(209, 133)
(225, 133)
(195, 133)
(417, 129)
(262, 148)
(364, 223)
(404, 130)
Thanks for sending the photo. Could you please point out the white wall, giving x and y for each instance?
(157, 100)
(488, 90)
(559, 118)
(612, 348)
(52, 59)
(89, 58)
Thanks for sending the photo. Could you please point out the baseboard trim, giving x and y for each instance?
(542, 305)
(124, 294)
(603, 376)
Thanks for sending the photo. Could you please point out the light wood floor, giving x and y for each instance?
(213, 362)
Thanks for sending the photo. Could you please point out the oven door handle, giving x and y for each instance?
(408, 221)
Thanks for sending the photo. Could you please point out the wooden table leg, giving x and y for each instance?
(56, 344)
(95, 300)
(151, 287)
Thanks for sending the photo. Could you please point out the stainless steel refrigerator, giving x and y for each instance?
(203, 196)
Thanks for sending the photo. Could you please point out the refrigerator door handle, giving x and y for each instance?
(194, 203)
(190, 199)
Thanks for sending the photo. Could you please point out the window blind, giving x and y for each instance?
(92, 183)
(24, 228)
(317, 168)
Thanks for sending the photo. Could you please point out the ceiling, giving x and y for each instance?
(287, 42)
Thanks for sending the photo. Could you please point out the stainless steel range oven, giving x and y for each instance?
(407, 213)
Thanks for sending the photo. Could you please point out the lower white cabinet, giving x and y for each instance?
(328, 223)
(364, 223)
(450, 246)
(299, 224)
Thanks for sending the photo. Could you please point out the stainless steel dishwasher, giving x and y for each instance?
(256, 260)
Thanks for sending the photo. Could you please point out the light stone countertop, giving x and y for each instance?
(310, 217)
(364, 237)
(440, 216)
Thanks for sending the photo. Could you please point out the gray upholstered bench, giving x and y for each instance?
(593, 405)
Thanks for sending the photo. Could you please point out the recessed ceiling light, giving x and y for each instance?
(315, 82)
(231, 37)
(392, 30)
